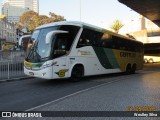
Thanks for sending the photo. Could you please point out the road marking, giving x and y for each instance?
(81, 91)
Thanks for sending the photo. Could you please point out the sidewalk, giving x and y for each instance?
(14, 79)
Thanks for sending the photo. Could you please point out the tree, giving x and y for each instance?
(30, 20)
(54, 18)
(43, 19)
(116, 26)
(35, 22)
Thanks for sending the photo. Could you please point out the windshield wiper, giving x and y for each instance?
(33, 54)
(45, 58)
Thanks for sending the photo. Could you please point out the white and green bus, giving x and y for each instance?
(76, 49)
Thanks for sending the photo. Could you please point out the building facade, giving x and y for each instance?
(7, 31)
(13, 9)
(32, 5)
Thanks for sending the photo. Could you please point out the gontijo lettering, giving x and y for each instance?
(127, 54)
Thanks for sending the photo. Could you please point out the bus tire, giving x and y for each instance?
(128, 69)
(134, 67)
(77, 73)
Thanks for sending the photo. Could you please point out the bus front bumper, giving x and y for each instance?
(45, 73)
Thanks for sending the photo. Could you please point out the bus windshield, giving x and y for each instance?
(60, 44)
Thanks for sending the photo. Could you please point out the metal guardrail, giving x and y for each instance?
(11, 65)
(10, 70)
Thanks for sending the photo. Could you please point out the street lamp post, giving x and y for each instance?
(80, 10)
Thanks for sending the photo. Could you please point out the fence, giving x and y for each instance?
(11, 65)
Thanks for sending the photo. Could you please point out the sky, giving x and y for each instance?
(101, 13)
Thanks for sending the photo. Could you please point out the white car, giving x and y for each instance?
(151, 59)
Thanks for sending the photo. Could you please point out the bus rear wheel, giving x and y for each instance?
(77, 73)
(134, 67)
(128, 69)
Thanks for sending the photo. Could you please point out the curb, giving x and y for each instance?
(15, 79)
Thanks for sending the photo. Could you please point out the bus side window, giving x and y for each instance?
(106, 40)
(88, 43)
(70, 37)
(89, 38)
(82, 41)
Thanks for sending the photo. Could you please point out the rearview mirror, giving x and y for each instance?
(51, 34)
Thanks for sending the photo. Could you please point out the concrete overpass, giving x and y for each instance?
(148, 8)
(151, 10)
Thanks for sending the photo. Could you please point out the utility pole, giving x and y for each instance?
(80, 10)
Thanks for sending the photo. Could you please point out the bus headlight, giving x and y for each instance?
(49, 64)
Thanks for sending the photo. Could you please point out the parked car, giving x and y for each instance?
(151, 59)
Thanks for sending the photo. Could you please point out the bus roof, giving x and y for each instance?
(81, 24)
(76, 23)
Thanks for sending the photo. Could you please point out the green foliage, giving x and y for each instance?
(43, 19)
(116, 26)
(31, 20)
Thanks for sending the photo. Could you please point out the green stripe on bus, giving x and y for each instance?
(100, 52)
(112, 59)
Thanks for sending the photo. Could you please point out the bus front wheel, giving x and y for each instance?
(77, 73)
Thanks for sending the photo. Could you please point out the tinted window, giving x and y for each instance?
(73, 30)
(125, 44)
(63, 42)
(94, 38)
(89, 38)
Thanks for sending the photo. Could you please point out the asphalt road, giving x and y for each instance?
(27, 94)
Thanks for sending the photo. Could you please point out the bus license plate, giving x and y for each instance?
(31, 73)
